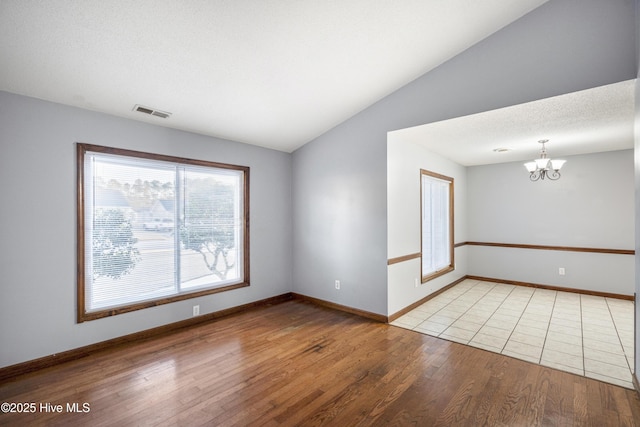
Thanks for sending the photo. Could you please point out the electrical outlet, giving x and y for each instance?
(337, 284)
(196, 310)
(561, 271)
(416, 282)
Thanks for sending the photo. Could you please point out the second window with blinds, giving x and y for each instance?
(436, 224)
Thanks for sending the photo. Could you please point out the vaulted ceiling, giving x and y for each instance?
(273, 73)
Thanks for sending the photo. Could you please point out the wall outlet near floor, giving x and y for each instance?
(337, 284)
(561, 271)
(196, 310)
(416, 282)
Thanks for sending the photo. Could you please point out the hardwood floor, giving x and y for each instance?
(297, 364)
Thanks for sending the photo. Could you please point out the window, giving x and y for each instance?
(437, 224)
(155, 229)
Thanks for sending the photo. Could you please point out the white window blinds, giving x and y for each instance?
(436, 227)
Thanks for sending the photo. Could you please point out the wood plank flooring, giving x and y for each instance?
(297, 364)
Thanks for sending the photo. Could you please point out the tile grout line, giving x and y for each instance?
(606, 351)
(519, 319)
(436, 312)
(456, 298)
(579, 319)
(494, 311)
(546, 334)
(615, 325)
(522, 314)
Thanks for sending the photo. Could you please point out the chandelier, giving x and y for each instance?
(544, 167)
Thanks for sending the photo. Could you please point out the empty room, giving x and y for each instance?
(318, 213)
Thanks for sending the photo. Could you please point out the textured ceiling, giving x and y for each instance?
(589, 121)
(274, 73)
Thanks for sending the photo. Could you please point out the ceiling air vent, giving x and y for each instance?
(151, 111)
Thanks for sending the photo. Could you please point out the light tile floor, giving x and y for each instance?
(586, 335)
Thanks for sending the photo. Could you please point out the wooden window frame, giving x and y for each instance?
(449, 268)
(82, 313)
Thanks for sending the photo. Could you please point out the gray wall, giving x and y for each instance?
(404, 161)
(590, 206)
(339, 179)
(38, 220)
